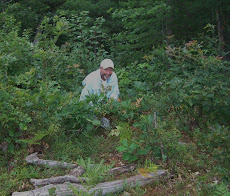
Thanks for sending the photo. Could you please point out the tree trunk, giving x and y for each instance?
(220, 30)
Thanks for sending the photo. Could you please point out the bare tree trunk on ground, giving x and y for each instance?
(99, 189)
(56, 180)
(73, 177)
(121, 170)
(33, 159)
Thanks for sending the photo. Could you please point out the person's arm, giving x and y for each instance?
(114, 94)
(86, 91)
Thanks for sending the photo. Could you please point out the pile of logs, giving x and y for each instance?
(61, 184)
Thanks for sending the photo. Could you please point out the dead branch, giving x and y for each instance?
(120, 170)
(77, 171)
(33, 159)
(74, 174)
(56, 180)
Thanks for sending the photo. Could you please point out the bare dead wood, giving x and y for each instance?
(77, 171)
(120, 170)
(114, 171)
(4, 146)
(60, 190)
(74, 174)
(99, 189)
(56, 180)
(33, 159)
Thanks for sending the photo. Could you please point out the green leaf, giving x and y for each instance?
(142, 152)
(190, 102)
(95, 122)
(121, 148)
(133, 158)
(11, 148)
(124, 142)
(22, 126)
(11, 133)
(126, 156)
(133, 147)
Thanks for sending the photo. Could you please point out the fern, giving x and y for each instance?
(94, 173)
(222, 190)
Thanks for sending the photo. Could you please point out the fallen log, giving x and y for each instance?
(56, 180)
(33, 159)
(121, 170)
(74, 174)
(60, 190)
(99, 189)
(77, 171)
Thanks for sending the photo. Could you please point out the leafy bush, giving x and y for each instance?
(14, 121)
(131, 150)
(196, 85)
(86, 41)
(15, 52)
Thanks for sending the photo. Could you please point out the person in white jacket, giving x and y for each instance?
(104, 80)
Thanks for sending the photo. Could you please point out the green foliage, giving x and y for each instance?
(125, 110)
(8, 23)
(51, 29)
(15, 51)
(148, 135)
(52, 191)
(215, 139)
(199, 85)
(14, 121)
(80, 192)
(31, 13)
(137, 19)
(87, 40)
(150, 166)
(17, 174)
(187, 85)
(94, 173)
(44, 108)
(187, 23)
(28, 116)
(123, 130)
(222, 190)
(130, 150)
(76, 114)
(132, 82)
(137, 190)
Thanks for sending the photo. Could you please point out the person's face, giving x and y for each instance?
(106, 73)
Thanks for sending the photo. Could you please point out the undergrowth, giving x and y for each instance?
(173, 113)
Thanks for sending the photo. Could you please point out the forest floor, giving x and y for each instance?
(196, 174)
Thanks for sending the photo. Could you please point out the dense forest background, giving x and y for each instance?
(172, 61)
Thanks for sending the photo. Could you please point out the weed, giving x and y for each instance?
(94, 173)
(222, 190)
